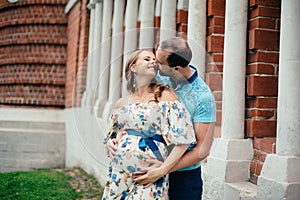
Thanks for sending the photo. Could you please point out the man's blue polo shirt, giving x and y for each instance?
(198, 99)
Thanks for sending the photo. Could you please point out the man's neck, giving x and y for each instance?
(184, 74)
(187, 72)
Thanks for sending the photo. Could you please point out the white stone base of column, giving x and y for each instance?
(240, 191)
(99, 107)
(228, 162)
(279, 178)
(89, 98)
(107, 110)
(85, 97)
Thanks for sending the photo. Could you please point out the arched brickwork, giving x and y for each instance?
(33, 40)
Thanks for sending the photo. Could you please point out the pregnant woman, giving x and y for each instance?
(143, 125)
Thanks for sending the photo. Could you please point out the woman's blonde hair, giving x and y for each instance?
(154, 87)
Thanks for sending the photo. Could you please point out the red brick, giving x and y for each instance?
(260, 56)
(32, 74)
(215, 30)
(216, 57)
(260, 155)
(77, 53)
(214, 80)
(273, 3)
(182, 35)
(182, 16)
(253, 178)
(80, 85)
(262, 85)
(216, 8)
(32, 95)
(252, 166)
(261, 128)
(182, 28)
(261, 102)
(213, 67)
(277, 24)
(218, 118)
(259, 68)
(217, 133)
(265, 23)
(33, 34)
(216, 21)
(215, 43)
(33, 39)
(157, 22)
(259, 166)
(39, 14)
(265, 114)
(263, 11)
(219, 105)
(138, 25)
(264, 39)
(217, 95)
(265, 144)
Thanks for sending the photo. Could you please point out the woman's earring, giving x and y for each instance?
(133, 80)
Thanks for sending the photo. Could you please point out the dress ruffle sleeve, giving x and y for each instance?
(113, 127)
(177, 128)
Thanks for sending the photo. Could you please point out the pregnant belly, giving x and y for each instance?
(129, 157)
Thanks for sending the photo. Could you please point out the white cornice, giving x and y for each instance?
(70, 5)
(13, 1)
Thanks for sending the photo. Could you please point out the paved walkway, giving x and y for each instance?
(83, 183)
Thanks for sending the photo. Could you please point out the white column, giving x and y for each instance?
(168, 19)
(147, 24)
(280, 176)
(183, 4)
(288, 121)
(157, 12)
(115, 77)
(233, 100)
(96, 50)
(130, 36)
(230, 157)
(87, 92)
(116, 52)
(197, 34)
(105, 57)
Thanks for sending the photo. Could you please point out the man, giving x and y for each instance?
(174, 56)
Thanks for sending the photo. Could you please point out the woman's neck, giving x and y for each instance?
(142, 85)
(142, 90)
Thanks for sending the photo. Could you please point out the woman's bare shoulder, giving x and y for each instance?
(122, 102)
(168, 95)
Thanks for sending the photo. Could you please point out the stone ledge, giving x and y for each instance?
(241, 190)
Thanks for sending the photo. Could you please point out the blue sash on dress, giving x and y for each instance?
(148, 136)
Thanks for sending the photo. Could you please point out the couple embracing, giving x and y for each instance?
(159, 133)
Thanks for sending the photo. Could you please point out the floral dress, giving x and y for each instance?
(170, 120)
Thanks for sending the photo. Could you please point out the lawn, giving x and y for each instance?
(60, 184)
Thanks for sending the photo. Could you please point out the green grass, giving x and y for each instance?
(41, 184)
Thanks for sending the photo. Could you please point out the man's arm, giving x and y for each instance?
(204, 136)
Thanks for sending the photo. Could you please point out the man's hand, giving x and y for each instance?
(111, 147)
(147, 177)
(154, 163)
(144, 177)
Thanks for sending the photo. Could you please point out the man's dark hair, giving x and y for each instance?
(180, 52)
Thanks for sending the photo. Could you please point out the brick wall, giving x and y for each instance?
(32, 53)
(182, 23)
(215, 49)
(77, 51)
(262, 79)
